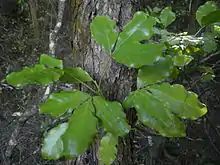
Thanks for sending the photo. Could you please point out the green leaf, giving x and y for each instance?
(59, 103)
(108, 150)
(129, 51)
(136, 55)
(51, 61)
(211, 18)
(154, 114)
(204, 10)
(75, 75)
(81, 131)
(159, 107)
(155, 73)
(182, 60)
(112, 116)
(104, 32)
(209, 43)
(39, 74)
(167, 16)
(53, 145)
(183, 102)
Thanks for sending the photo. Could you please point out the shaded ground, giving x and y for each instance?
(18, 48)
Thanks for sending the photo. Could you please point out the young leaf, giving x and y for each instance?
(155, 73)
(154, 114)
(182, 60)
(75, 75)
(112, 116)
(59, 103)
(81, 131)
(167, 16)
(159, 107)
(108, 150)
(211, 18)
(39, 74)
(104, 32)
(204, 10)
(129, 51)
(51, 61)
(53, 145)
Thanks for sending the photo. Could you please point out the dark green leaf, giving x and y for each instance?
(37, 75)
(53, 145)
(51, 61)
(108, 150)
(182, 60)
(204, 10)
(159, 107)
(129, 51)
(104, 32)
(81, 131)
(155, 73)
(209, 43)
(75, 75)
(59, 103)
(112, 116)
(154, 114)
(211, 18)
(167, 16)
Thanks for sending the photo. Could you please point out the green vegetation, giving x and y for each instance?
(159, 104)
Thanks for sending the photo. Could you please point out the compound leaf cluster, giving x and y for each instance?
(160, 105)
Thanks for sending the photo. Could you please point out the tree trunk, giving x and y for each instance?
(118, 80)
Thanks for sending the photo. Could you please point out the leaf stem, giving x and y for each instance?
(199, 31)
(90, 88)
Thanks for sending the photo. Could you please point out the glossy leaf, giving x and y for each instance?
(211, 18)
(182, 60)
(135, 55)
(50, 61)
(205, 10)
(59, 103)
(108, 150)
(104, 32)
(129, 51)
(183, 103)
(167, 16)
(155, 73)
(39, 74)
(75, 75)
(81, 131)
(53, 144)
(154, 114)
(112, 116)
(159, 107)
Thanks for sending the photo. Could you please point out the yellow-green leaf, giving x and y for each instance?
(81, 131)
(112, 116)
(51, 61)
(104, 32)
(39, 75)
(59, 103)
(108, 150)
